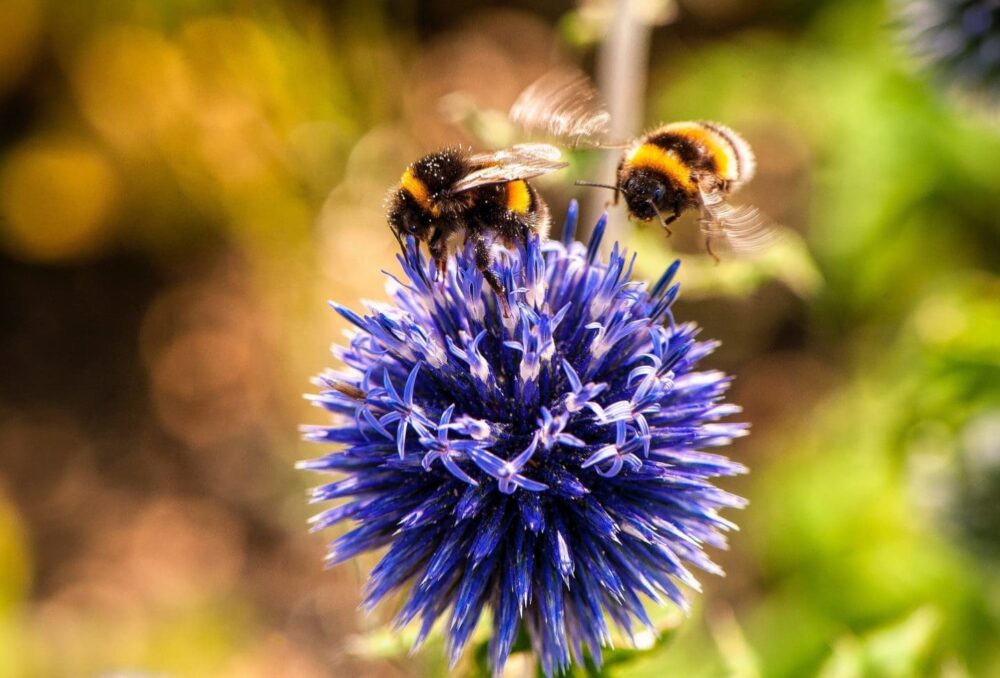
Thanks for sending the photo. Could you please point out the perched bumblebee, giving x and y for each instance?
(673, 168)
(484, 197)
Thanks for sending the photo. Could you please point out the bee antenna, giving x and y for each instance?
(399, 239)
(597, 185)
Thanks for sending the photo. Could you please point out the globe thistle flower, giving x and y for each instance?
(546, 465)
(958, 39)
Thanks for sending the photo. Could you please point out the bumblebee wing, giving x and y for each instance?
(523, 161)
(743, 229)
(565, 104)
(518, 153)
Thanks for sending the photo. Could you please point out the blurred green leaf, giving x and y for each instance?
(787, 261)
(897, 650)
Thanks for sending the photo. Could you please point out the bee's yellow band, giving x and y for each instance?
(717, 147)
(518, 197)
(418, 190)
(651, 156)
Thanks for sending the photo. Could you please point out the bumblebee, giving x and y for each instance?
(685, 165)
(483, 198)
(673, 168)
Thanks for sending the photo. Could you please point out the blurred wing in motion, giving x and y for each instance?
(742, 229)
(518, 153)
(562, 103)
(523, 161)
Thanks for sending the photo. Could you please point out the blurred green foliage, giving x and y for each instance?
(872, 542)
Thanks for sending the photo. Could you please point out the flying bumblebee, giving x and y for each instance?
(673, 168)
(484, 197)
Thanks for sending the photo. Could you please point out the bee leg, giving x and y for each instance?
(663, 222)
(439, 253)
(708, 248)
(483, 261)
(671, 219)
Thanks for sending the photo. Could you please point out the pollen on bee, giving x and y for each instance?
(416, 188)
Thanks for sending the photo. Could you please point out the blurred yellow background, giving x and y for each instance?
(183, 184)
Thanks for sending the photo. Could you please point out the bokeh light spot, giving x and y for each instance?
(57, 197)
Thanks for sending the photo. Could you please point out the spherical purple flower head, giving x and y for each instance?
(546, 465)
(959, 39)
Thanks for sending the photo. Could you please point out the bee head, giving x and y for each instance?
(646, 192)
(406, 218)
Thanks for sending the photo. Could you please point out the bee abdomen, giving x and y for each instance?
(519, 197)
(722, 150)
(539, 219)
(746, 163)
